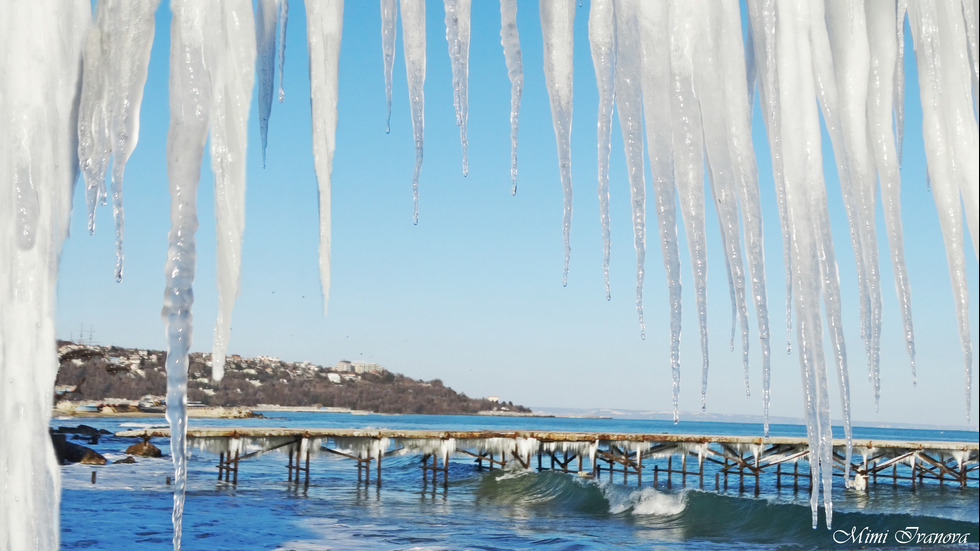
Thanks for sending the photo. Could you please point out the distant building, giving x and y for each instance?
(494, 399)
(365, 367)
(344, 366)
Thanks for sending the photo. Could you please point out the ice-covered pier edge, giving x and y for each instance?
(843, 57)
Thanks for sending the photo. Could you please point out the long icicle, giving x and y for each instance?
(935, 91)
(116, 61)
(389, 30)
(884, 61)
(190, 104)
(723, 172)
(688, 145)
(38, 168)
(629, 100)
(848, 38)
(413, 44)
(762, 18)
(510, 40)
(557, 20)
(266, 15)
(655, 49)
(742, 153)
(830, 287)
(283, 20)
(810, 236)
(458, 37)
(231, 86)
(602, 42)
(323, 32)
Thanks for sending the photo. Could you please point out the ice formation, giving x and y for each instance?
(211, 70)
(602, 43)
(683, 65)
(323, 31)
(557, 19)
(458, 37)
(413, 43)
(38, 164)
(510, 40)
(266, 17)
(116, 56)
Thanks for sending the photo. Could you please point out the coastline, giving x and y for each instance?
(124, 408)
(67, 408)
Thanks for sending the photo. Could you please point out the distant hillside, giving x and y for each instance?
(89, 372)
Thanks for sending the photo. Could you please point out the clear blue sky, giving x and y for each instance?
(472, 295)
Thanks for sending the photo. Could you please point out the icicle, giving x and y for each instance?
(742, 155)
(688, 145)
(751, 69)
(762, 18)
(266, 12)
(884, 60)
(629, 100)
(657, 108)
(323, 32)
(848, 39)
(717, 130)
(510, 40)
(413, 43)
(899, 98)
(970, 14)
(830, 287)
(116, 58)
(962, 121)
(389, 16)
(944, 101)
(458, 37)
(557, 20)
(814, 268)
(232, 62)
(602, 43)
(283, 17)
(94, 146)
(42, 44)
(190, 104)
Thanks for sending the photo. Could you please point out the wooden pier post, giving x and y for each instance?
(701, 472)
(726, 474)
(639, 470)
(684, 471)
(307, 469)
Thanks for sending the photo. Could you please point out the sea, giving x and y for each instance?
(128, 506)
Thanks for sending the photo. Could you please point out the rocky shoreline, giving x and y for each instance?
(67, 408)
(67, 448)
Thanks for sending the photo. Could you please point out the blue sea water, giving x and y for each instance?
(129, 505)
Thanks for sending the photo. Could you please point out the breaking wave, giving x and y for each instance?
(693, 515)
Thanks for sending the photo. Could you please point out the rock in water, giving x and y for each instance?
(69, 452)
(144, 449)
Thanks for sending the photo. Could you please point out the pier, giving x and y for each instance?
(664, 460)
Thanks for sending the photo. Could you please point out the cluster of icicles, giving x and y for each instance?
(680, 74)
